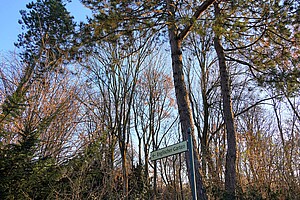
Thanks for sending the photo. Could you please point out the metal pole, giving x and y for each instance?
(191, 152)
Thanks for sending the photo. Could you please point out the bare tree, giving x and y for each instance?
(153, 107)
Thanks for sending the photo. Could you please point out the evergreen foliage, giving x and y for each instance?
(48, 36)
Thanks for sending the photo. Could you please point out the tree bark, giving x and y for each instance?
(183, 102)
(185, 113)
(176, 36)
(123, 150)
(230, 166)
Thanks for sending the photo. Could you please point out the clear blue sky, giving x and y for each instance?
(9, 16)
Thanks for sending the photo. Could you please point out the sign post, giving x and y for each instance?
(176, 149)
(191, 153)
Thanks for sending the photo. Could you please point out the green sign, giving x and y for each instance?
(168, 151)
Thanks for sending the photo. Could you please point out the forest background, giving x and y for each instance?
(84, 103)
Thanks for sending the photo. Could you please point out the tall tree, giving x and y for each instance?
(48, 36)
(230, 168)
(115, 72)
(244, 32)
(122, 17)
(42, 48)
(176, 37)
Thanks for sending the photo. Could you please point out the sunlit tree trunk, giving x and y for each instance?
(183, 103)
(230, 166)
(124, 172)
(184, 107)
(230, 171)
(176, 37)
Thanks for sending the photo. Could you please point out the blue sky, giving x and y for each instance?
(9, 16)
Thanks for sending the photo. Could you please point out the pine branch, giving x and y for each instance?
(200, 9)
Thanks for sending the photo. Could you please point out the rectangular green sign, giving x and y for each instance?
(168, 151)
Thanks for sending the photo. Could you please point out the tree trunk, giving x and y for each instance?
(230, 166)
(140, 150)
(183, 102)
(204, 139)
(176, 36)
(146, 151)
(111, 158)
(124, 171)
(154, 145)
